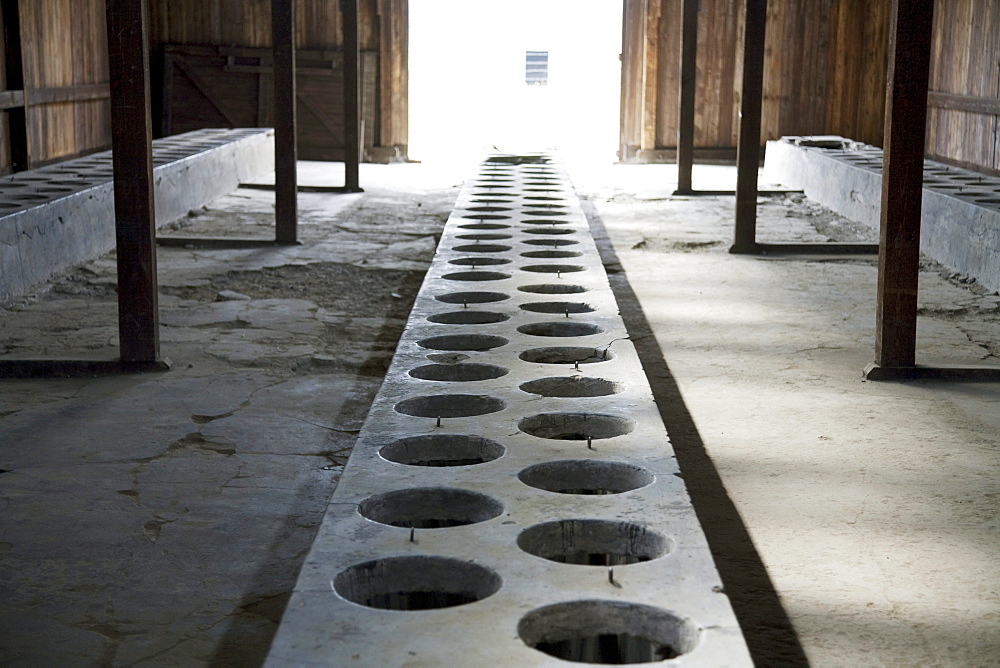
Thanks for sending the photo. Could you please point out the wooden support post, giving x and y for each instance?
(902, 182)
(17, 123)
(685, 114)
(748, 150)
(132, 157)
(352, 102)
(285, 149)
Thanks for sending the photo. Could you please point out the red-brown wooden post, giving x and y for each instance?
(132, 158)
(352, 101)
(285, 147)
(748, 149)
(685, 114)
(902, 182)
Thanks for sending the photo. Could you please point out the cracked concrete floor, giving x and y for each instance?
(863, 515)
(161, 519)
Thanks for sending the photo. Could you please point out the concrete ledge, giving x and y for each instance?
(961, 209)
(61, 215)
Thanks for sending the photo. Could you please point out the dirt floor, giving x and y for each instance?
(160, 519)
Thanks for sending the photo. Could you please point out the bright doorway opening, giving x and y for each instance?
(477, 82)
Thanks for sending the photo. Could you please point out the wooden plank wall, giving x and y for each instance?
(383, 30)
(964, 115)
(64, 53)
(824, 69)
(248, 23)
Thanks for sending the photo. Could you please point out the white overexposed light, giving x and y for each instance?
(467, 77)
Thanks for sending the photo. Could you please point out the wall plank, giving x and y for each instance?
(965, 71)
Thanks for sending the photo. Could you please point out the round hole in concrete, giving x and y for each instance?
(487, 236)
(572, 387)
(591, 477)
(472, 297)
(550, 242)
(476, 276)
(576, 426)
(488, 208)
(560, 329)
(479, 261)
(593, 542)
(442, 450)
(484, 226)
(416, 583)
(478, 342)
(551, 254)
(430, 508)
(486, 216)
(495, 194)
(468, 317)
(553, 289)
(608, 632)
(481, 248)
(450, 405)
(553, 268)
(557, 307)
(548, 230)
(458, 373)
(530, 212)
(537, 221)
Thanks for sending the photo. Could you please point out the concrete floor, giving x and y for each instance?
(160, 519)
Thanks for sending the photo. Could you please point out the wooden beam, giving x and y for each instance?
(748, 148)
(285, 148)
(167, 96)
(685, 113)
(77, 93)
(970, 103)
(352, 89)
(902, 182)
(132, 158)
(11, 99)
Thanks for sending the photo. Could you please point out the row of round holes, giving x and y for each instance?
(533, 540)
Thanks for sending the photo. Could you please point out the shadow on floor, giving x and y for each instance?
(768, 631)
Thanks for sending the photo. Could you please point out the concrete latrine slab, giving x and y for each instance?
(513, 496)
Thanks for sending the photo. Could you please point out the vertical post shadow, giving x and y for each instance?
(766, 626)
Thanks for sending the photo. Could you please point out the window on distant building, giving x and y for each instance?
(536, 68)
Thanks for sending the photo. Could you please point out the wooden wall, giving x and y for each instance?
(824, 71)
(964, 118)
(247, 23)
(65, 98)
